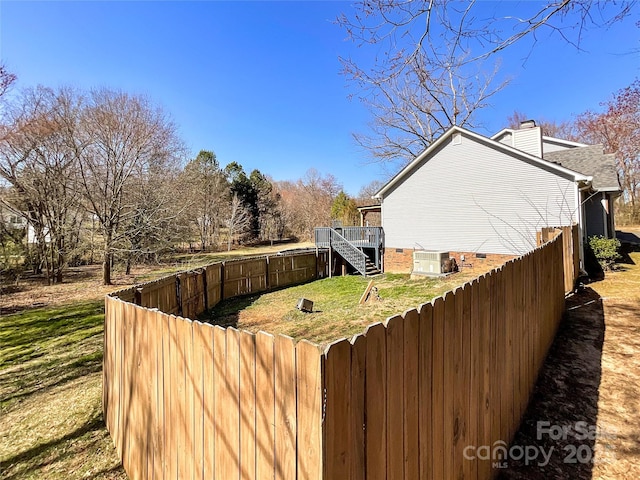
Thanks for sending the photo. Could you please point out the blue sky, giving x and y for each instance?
(259, 82)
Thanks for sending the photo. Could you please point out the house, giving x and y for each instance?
(15, 221)
(481, 197)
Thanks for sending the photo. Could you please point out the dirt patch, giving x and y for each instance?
(585, 411)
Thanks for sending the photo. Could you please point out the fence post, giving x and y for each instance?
(205, 298)
(222, 274)
(267, 285)
(179, 295)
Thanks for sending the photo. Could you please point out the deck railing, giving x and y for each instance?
(363, 237)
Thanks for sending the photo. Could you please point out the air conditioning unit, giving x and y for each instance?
(429, 263)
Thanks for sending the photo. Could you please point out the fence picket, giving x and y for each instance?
(265, 406)
(395, 397)
(208, 401)
(469, 379)
(411, 321)
(221, 401)
(437, 393)
(484, 393)
(375, 402)
(231, 432)
(337, 424)
(184, 399)
(425, 376)
(358, 413)
(198, 356)
(158, 419)
(285, 414)
(309, 410)
(247, 405)
(449, 412)
(460, 382)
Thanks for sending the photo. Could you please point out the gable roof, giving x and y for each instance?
(555, 167)
(545, 138)
(589, 159)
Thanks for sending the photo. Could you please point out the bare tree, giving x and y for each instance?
(42, 172)
(617, 127)
(120, 138)
(432, 65)
(563, 129)
(306, 203)
(366, 193)
(6, 79)
(154, 220)
(238, 219)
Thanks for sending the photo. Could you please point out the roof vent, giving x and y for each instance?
(527, 124)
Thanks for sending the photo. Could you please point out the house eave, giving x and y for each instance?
(561, 141)
(487, 141)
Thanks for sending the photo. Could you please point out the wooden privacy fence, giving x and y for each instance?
(571, 251)
(188, 294)
(403, 400)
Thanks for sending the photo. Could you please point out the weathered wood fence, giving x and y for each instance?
(403, 400)
(571, 250)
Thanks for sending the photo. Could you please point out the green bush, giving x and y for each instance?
(605, 250)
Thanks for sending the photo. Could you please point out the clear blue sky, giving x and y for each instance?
(259, 82)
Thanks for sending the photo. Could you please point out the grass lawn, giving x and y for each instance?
(336, 312)
(50, 395)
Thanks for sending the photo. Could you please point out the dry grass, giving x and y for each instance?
(619, 391)
(336, 311)
(50, 395)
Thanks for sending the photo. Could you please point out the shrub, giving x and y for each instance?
(605, 250)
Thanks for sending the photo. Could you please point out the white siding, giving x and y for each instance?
(506, 138)
(471, 197)
(528, 140)
(548, 146)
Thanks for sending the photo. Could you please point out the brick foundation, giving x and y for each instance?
(400, 260)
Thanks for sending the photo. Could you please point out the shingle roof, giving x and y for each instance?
(589, 161)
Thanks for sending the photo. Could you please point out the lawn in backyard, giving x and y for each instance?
(50, 395)
(336, 309)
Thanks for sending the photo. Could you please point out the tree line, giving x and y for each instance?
(103, 176)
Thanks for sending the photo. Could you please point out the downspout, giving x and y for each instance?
(384, 246)
(581, 230)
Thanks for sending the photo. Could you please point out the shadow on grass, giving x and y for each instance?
(566, 393)
(628, 237)
(44, 375)
(47, 453)
(27, 335)
(45, 348)
(625, 250)
(227, 312)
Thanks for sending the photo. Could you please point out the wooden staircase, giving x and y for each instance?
(371, 269)
(350, 246)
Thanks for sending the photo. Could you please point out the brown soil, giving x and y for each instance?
(592, 375)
